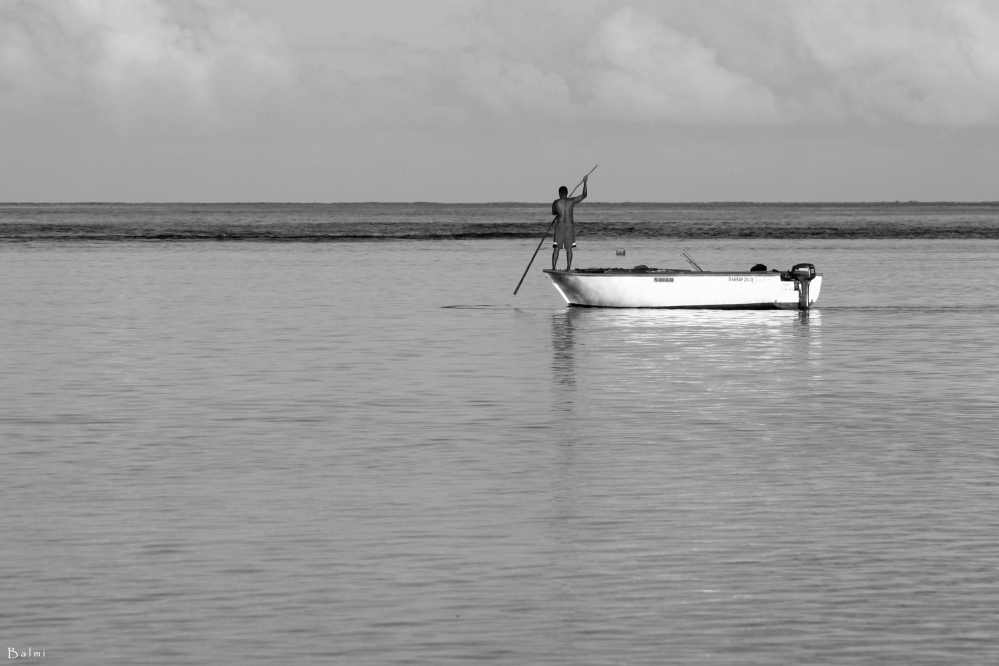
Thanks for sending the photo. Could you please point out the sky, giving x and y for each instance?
(478, 100)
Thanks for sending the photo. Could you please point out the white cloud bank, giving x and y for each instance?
(747, 62)
(932, 63)
(208, 65)
(643, 69)
(135, 61)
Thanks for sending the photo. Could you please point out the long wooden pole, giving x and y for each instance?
(538, 249)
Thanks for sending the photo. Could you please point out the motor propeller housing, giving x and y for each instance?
(802, 274)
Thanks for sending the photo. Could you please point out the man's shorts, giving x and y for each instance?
(565, 236)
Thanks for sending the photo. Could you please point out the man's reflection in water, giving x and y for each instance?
(563, 348)
(565, 434)
(563, 391)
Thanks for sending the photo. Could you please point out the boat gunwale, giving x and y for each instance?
(627, 272)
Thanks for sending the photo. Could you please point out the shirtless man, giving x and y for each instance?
(565, 232)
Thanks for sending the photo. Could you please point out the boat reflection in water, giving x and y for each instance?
(688, 366)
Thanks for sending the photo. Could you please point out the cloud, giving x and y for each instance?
(927, 63)
(734, 62)
(644, 70)
(204, 66)
(144, 64)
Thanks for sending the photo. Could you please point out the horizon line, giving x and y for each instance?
(498, 203)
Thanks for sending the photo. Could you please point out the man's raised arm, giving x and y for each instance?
(583, 195)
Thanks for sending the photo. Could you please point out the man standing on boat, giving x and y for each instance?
(565, 231)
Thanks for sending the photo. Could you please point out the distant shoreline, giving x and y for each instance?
(345, 222)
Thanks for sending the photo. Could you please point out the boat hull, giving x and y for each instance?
(682, 289)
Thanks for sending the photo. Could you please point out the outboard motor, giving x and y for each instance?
(802, 274)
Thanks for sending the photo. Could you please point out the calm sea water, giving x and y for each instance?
(252, 451)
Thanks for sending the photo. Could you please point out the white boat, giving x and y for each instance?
(642, 287)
